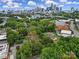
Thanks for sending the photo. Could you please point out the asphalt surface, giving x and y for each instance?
(72, 27)
(13, 52)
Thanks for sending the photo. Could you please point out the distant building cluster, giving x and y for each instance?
(52, 8)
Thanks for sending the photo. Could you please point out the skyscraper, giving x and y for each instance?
(60, 9)
(72, 9)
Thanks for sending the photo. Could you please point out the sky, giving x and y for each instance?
(30, 4)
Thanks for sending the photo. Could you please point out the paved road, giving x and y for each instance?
(4, 21)
(11, 56)
(72, 27)
(13, 52)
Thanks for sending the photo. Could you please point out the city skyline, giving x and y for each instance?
(30, 4)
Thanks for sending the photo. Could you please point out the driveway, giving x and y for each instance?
(72, 27)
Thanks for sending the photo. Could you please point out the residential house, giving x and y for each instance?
(66, 33)
(63, 28)
(61, 25)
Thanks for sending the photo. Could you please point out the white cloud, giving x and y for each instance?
(6, 1)
(60, 5)
(69, 3)
(42, 6)
(16, 5)
(5, 6)
(12, 5)
(74, 2)
(63, 1)
(20, 4)
(9, 4)
(49, 2)
(27, 8)
(31, 3)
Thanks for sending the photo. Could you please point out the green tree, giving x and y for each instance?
(13, 37)
(50, 53)
(51, 28)
(46, 41)
(22, 31)
(36, 47)
(24, 52)
(11, 23)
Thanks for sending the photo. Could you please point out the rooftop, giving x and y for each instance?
(3, 50)
(3, 34)
(66, 32)
(62, 25)
(2, 37)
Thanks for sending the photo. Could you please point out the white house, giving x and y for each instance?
(64, 20)
(17, 17)
(3, 37)
(66, 33)
(77, 20)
